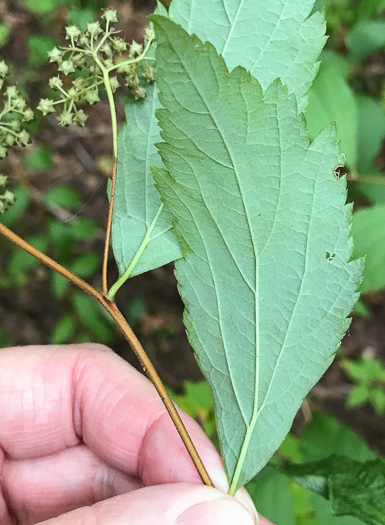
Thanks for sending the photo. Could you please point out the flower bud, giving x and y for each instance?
(55, 55)
(110, 16)
(72, 33)
(46, 106)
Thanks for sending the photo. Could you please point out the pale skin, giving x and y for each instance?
(85, 440)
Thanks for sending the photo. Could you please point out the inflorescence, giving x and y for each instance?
(13, 114)
(94, 57)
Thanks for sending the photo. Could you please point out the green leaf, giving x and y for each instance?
(371, 132)
(268, 34)
(41, 7)
(39, 46)
(59, 285)
(331, 99)
(359, 492)
(324, 435)
(4, 34)
(39, 160)
(354, 489)
(86, 265)
(256, 208)
(366, 9)
(63, 330)
(365, 38)
(63, 196)
(357, 396)
(274, 40)
(368, 231)
(140, 226)
(377, 398)
(271, 495)
(93, 317)
(15, 212)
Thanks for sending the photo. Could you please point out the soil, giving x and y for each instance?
(80, 159)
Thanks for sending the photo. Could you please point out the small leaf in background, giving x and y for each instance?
(256, 209)
(83, 228)
(40, 159)
(93, 317)
(365, 38)
(63, 330)
(16, 211)
(21, 263)
(331, 99)
(41, 7)
(368, 232)
(63, 196)
(135, 310)
(4, 34)
(59, 285)
(368, 374)
(39, 46)
(325, 435)
(367, 8)
(371, 133)
(82, 17)
(277, 40)
(86, 265)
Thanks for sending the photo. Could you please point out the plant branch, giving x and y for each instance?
(130, 337)
(111, 101)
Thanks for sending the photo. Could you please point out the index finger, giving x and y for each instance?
(55, 397)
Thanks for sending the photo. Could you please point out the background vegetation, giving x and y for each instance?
(61, 207)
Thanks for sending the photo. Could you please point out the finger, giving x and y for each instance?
(174, 504)
(54, 397)
(69, 479)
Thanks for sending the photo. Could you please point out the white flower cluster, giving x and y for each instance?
(13, 114)
(94, 57)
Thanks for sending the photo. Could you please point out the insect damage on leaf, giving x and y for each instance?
(255, 207)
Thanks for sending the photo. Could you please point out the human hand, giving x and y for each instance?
(84, 438)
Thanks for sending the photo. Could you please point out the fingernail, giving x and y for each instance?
(226, 511)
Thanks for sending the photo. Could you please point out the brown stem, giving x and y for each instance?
(108, 229)
(129, 335)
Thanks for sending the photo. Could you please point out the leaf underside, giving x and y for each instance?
(278, 39)
(137, 202)
(265, 275)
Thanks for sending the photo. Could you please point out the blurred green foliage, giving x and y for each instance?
(368, 376)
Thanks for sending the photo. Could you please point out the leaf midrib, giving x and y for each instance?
(256, 386)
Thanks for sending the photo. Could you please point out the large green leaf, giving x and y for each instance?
(369, 241)
(142, 235)
(353, 488)
(275, 39)
(265, 238)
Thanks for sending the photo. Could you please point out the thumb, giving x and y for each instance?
(172, 504)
